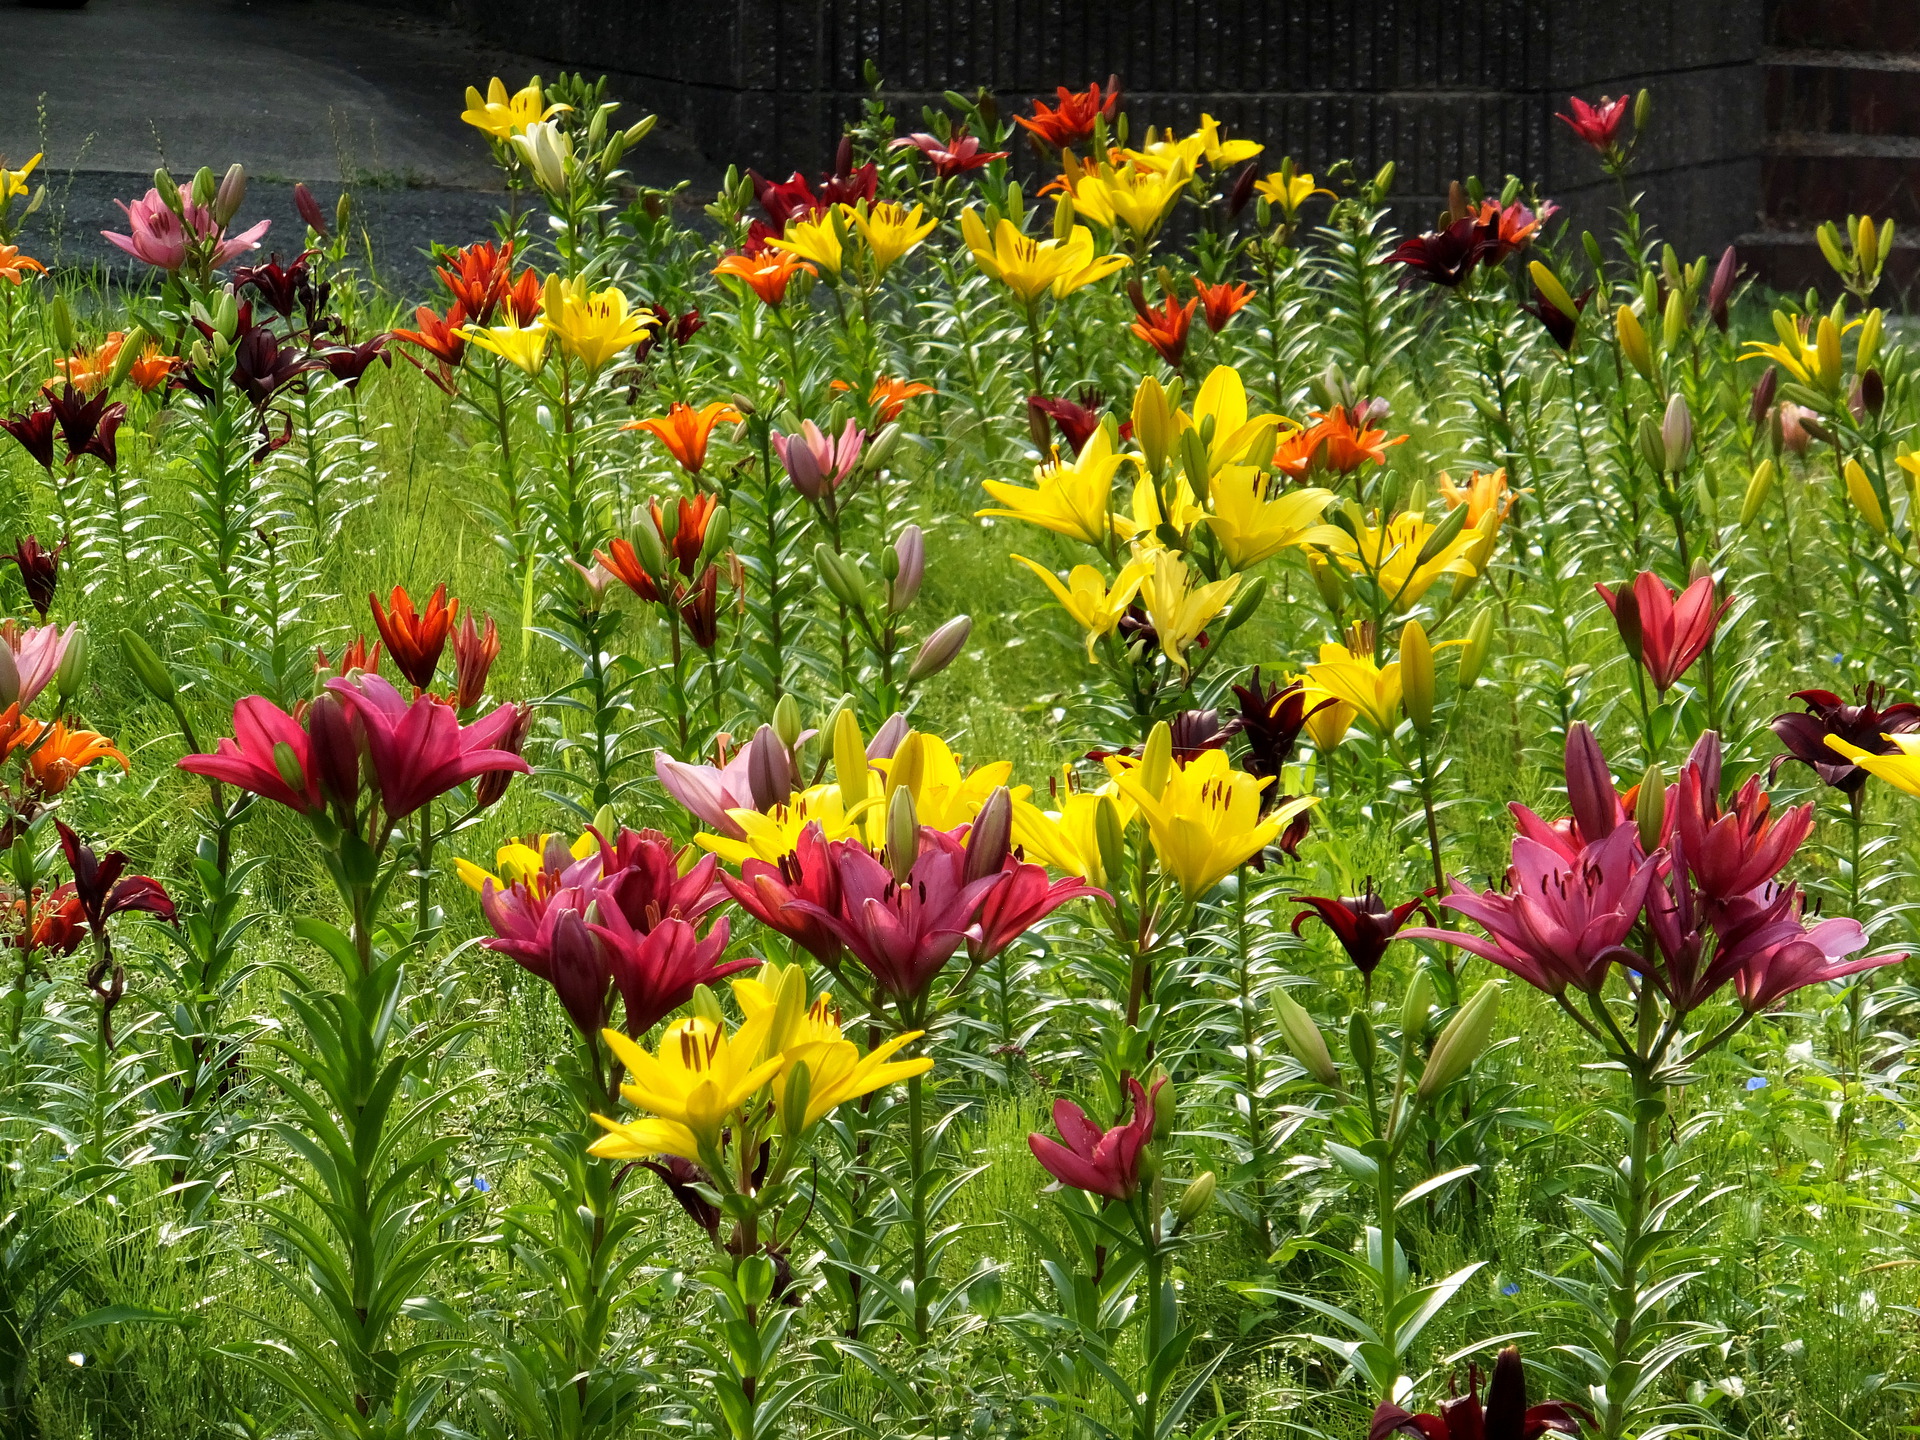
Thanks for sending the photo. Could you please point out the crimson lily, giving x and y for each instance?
(1730, 852)
(1363, 924)
(269, 755)
(103, 890)
(640, 875)
(34, 430)
(1443, 257)
(1077, 419)
(657, 970)
(1100, 1162)
(791, 897)
(1164, 326)
(39, 570)
(1505, 1416)
(420, 751)
(1597, 125)
(1023, 898)
(1664, 631)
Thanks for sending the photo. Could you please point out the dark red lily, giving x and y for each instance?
(1505, 1416)
(657, 970)
(791, 897)
(349, 363)
(87, 425)
(1664, 631)
(34, 430)
(1864, 723)
(279, 285)
(415, 638)
(1270, 720)
(1443, 257)
(1077, 419)
(39, 570)
(1562, 327)
(263, 367)
(1363, 924)
(1100, 1162)
(1163, 326)
(1597, 125)
(102, 888)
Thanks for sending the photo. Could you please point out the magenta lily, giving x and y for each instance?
(1023, 898)
(162, 239)
(639, 875)
(269, 755)
(419, 749)
(1100, 1162)
(789, 898)
(1731, 852)
(657, 970)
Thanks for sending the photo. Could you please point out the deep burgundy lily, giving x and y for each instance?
(104, 890)
(263, 367)
(34, 430)
(1444, 257)
(542, 927)
(1077, 419)
(1864, 723)
(1270, 721)
(279, 285)
(87, 425)
(1100, 1162)
(1505, 1416)
(657, 970)
(1666, 632)
(1363, 924)
(349, 363)
(39, 570)
(420, 750)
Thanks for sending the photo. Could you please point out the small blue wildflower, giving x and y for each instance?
(1512, 1287)
(480, 1184)
(1756, 1082)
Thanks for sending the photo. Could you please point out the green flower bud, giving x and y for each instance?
(1462, 1042)
(1304, 1039)
(147, 667)
(1195, 1199)
(903, 834)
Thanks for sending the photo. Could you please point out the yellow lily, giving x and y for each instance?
(1238, 438)
(1133, 197)
(1067, 498)
(889, 231)
(809, 1034)
(519, 860)
(502, 115)
(1223, 154)
(1254, 523)
(1029, 267)
(1900, 770)
(690, 1088)
(1816, 363)
(816, 240)
(1087, 598)
(1183, 512)
(1353, 679)
(1178, 609)
(1390, 553)
(945, 794)
(14, 182)
(1287, 191)
(526, 348)
(776, 834)
(1067, 840)
(1484, 491)
(1206, 823)
(593, 328)
(1326, 725)
(1164, 151)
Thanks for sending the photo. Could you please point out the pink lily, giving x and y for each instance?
(657, 969)
(162, 238)
(816, 463)
(253, 759)
(639, 875)
(759, 776)
(419, 748)
(34, 657)
(1100, 1162)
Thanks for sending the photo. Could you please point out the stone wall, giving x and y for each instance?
(1768, 113)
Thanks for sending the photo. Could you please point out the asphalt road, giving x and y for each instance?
(319, 91)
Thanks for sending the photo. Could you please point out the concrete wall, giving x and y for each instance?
(1755, 100)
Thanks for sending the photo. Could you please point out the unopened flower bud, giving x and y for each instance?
(1198, 1195)
(910, 567)
(1462, 1042)
(1164, 1110)
(1479, 647)
(9, 676)
(1110, 839)
(786, 720)
(850, 770)
(794, 1097)
(169, 192)
(1416, 1004)
(1633, 341)
(1676, 433)
(1721, 290)
(488, 789)
(1758, 489)
(231, 194)
(940, 649)
(903, 835)
(309, 209)
(1304, 1039)
(769, 770)
(990, 838)
(1864, 497)
(287, 762)
(72, 672)
(60, 317)
(1650, 808)
(1763, 393)
(205, 187)
(1416, 673)
(147, 667)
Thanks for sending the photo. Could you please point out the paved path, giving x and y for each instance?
(319, 91)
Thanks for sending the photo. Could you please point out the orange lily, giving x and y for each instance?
(1333, 442)
(888, 396)
(14, 266)
(766, 275)
(87, 370)
(64, 754)
(685, 430)
(1480, 494)
(151, 370)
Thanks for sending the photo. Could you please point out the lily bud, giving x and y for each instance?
(1198, 1195)
(786, 720)
(131, 348)
(1827, 355)
(794, 1098)
(940, 649)
(1479, 646)
(147, 667)
(1721, 290)
(288, 764)
(1867, 347)
(342, 212)
(649, 550)
(1416, 1005)
(1164, 1108)
(908, 763)
(910, 553)
(850, 770)
(1156, 759)
(1548, 284)
(205, 186)
(840, 577)
(879, 449)
(169, 192)
(1246, 604)
(1462, 1042)
(336, 754)
(1758, 489)
(1444, 534)
(1653, 446)
(1416, 673)
(769, 770)
(72, 672)
(9, 676)
(231, 194)
(309, 209)
(903, 835)
(1763, 395)
(1642, 111)
(488, 789)
(1152, 424)
(990, 838)
(1633, 342)
(1650, 808)
(1861, 492)
(1063, 217)
(1673, 320)
(1304, 1039)
(714, 543)
(706, 1005)
(61, 318)
(1676, 433)
(1360, 1041)
(1110, 839)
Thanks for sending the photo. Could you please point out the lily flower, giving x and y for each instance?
(758, 777)
(1353, 678)
(657, 969)
(1509, 229)
(773, 891)
(1021, 901)
(1363, 924)
(1866, 723)
(524, 347)
(269, 755)
(1815, 362)
(957, 154)
(1337, 440)
(766, 275)
(1444, 257)
(1664, 631)
(474, 651)
(13, 183)
(815, 463)
(547, 152)
(62, 754)
(690, 1088)
(889, 396)
(816, 240)
(592, 327)
(415, 639)
(773, 835)
(88, 426)
(1391, 555)
(1270, 719)
(1165, 326)
(15, 267)
(1076, 419)
(1483, 493)
(1135, 198)
(946, 795)
(1086, 597)
(1505, 1416)
(34, 430)
(1101, 1162)
(1734, 851)
(1598, 126)
(502, 116)
(420, 750)
(39, 570)
(1220, 303)
(685, 431)
(1287, 190)
(1029, 267)
(1179, 610)
(1777, 953)
(890, 231)
(102, 887)
(1207, 821)
(1254, 520)
(1071, 500)
(161, 238)
(519, 861)
(1071, 121)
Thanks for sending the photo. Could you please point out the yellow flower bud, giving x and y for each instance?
(1827, 355)
(1758, 489)
(1549, 285)
(1860, 490)
(1152, 423)
(1633, 342)
(1416, 675)
(1156, 759)
(1867, 348)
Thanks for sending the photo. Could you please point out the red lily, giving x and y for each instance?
(1665, 632)
(474, 652)
(1363, 924)
(58, 923)
(1164, 326)
(1506, 1415)
(419, 751)
(1222, 302)
(415, 639)
(640, 875)
(1597, 125)
(1077, 419)
(1507, 229)
(1023, 898)
(477, 277)
(39, 570)
(1071, 123)
(439, 338)
(791, 897)
(1444, 257)
(87, 425)
(34, 430)
(1865, 723)
(658, 969)
(1100, 1162)
(1730, 852)
(355, 656)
